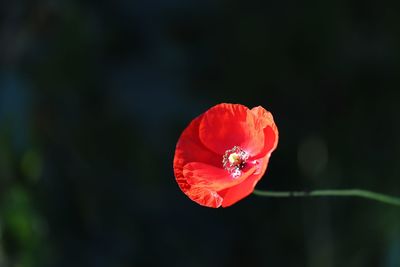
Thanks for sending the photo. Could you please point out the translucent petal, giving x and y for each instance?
(227, 125)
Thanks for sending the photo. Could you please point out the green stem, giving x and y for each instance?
(333, 193)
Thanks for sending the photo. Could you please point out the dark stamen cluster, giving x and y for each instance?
(234, 160)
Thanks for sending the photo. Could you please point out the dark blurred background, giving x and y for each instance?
(94, 96)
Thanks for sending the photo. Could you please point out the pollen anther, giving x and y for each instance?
(234, 160)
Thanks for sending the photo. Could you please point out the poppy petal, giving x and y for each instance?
(240, 191)
(227, 125)
(271, 134)
(263, 117)
(204, 175)
(270, 141)
(189, 148)
(204, 196)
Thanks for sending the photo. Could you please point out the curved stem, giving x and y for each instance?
(333, 193)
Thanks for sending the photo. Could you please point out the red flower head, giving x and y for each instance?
(223, 153)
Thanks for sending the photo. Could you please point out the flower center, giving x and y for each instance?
(234, 160)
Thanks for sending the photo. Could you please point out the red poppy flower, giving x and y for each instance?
(223, 153)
